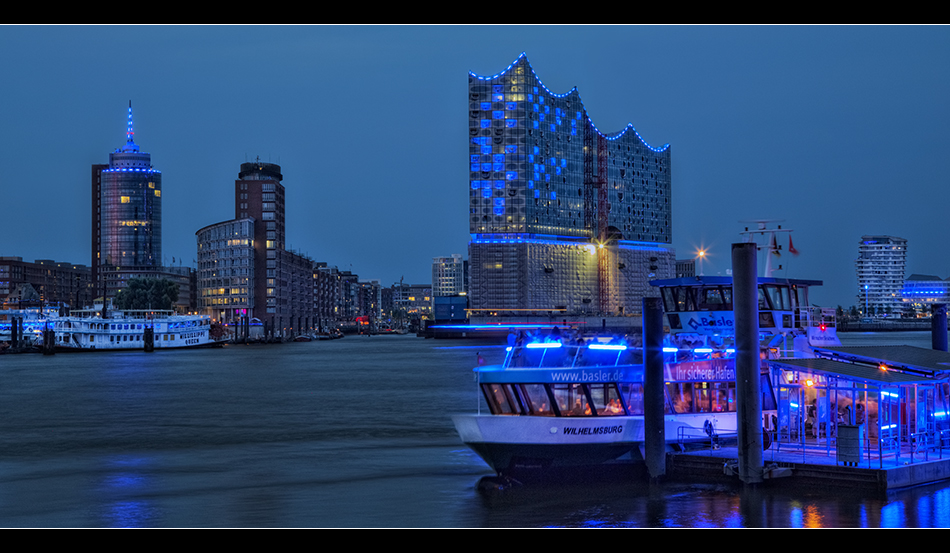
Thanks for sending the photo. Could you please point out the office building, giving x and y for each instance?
(880, 270)
(448, 276)
(561, 215)
(126, 217)
(243, 266)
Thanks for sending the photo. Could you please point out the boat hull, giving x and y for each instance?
(518, 444)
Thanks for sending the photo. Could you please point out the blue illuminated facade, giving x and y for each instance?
(561, 214)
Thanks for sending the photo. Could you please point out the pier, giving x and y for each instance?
(814, 468)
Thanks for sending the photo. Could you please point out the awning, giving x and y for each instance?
(857, 372)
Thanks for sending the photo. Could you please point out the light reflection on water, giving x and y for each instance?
(348, 433)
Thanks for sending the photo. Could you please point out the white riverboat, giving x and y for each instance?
(87, 330)
(557, 403)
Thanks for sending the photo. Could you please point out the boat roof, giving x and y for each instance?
(851, 371)
(727, 281)
(900, 357)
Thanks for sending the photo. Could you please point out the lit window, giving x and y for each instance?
(124, 199)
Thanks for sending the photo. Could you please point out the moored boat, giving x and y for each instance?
(87, 330)
(563, 403)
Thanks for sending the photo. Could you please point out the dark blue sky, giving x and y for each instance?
(839, 131)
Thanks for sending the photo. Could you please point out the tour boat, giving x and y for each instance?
(87, 330)
(557, 402)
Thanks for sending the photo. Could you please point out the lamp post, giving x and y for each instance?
(701, 255)
(866, 300)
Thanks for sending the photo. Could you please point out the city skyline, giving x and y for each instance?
(835, 130)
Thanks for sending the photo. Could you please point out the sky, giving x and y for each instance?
(833, 132)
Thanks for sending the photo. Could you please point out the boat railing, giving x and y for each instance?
(556, 354)
(806, 317)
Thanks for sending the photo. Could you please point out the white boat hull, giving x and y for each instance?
(517, 443)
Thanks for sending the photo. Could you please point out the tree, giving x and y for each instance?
(147, 293)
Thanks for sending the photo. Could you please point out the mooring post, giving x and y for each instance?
(938, 326)
(654, 434)
(745, 298)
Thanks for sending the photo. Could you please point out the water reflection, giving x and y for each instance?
(123, 485)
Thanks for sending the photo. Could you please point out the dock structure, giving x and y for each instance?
(873, 417)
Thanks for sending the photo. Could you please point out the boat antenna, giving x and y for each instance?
(771, 245)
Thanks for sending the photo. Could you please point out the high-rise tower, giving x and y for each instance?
(126, 216)
(259, 194)
(562, 215)
(880, 270)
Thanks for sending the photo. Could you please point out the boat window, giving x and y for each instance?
(668, 304)
(714, 397)
(763, 299)
(501, 399)
(606, 399)
(571, 400)
(681, 397)
(727, 296)
(768, 396)
(713, 299)
(537, 400)
(633, 394)
(778, 296)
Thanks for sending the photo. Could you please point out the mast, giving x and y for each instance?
(771, 245)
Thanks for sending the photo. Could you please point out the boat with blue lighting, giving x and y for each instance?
(563, 402)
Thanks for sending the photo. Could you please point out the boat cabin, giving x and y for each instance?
(597, 379)
(703, 305)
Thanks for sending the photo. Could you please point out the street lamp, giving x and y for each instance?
(701, 254)
(866, 300)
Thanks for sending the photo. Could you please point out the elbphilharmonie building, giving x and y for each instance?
(562, 215)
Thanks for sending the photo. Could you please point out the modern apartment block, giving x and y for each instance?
(561, 215)
(880, 270)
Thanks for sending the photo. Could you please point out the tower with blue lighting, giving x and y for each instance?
(126, 217)
(562, 216)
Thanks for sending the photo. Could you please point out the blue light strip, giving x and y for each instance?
(609, 347)
(509, 238)
(615, 137)
(543, 345)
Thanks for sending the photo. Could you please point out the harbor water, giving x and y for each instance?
(344, 433)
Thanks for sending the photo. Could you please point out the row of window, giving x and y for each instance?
(611, 399)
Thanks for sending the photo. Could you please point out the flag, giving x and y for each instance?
(791, 248)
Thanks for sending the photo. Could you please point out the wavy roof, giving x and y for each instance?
(629, 126)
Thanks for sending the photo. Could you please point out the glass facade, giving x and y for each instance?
(562, 215)
(536, 162)
(130, 209)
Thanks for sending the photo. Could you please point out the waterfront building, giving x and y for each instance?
(685, 268)
(126, 216)
(226, 269)
(244, 268)
(414, 299)
(448, 276)
(920, 292)
(880, 270)
(562, 215)
(44, 282)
